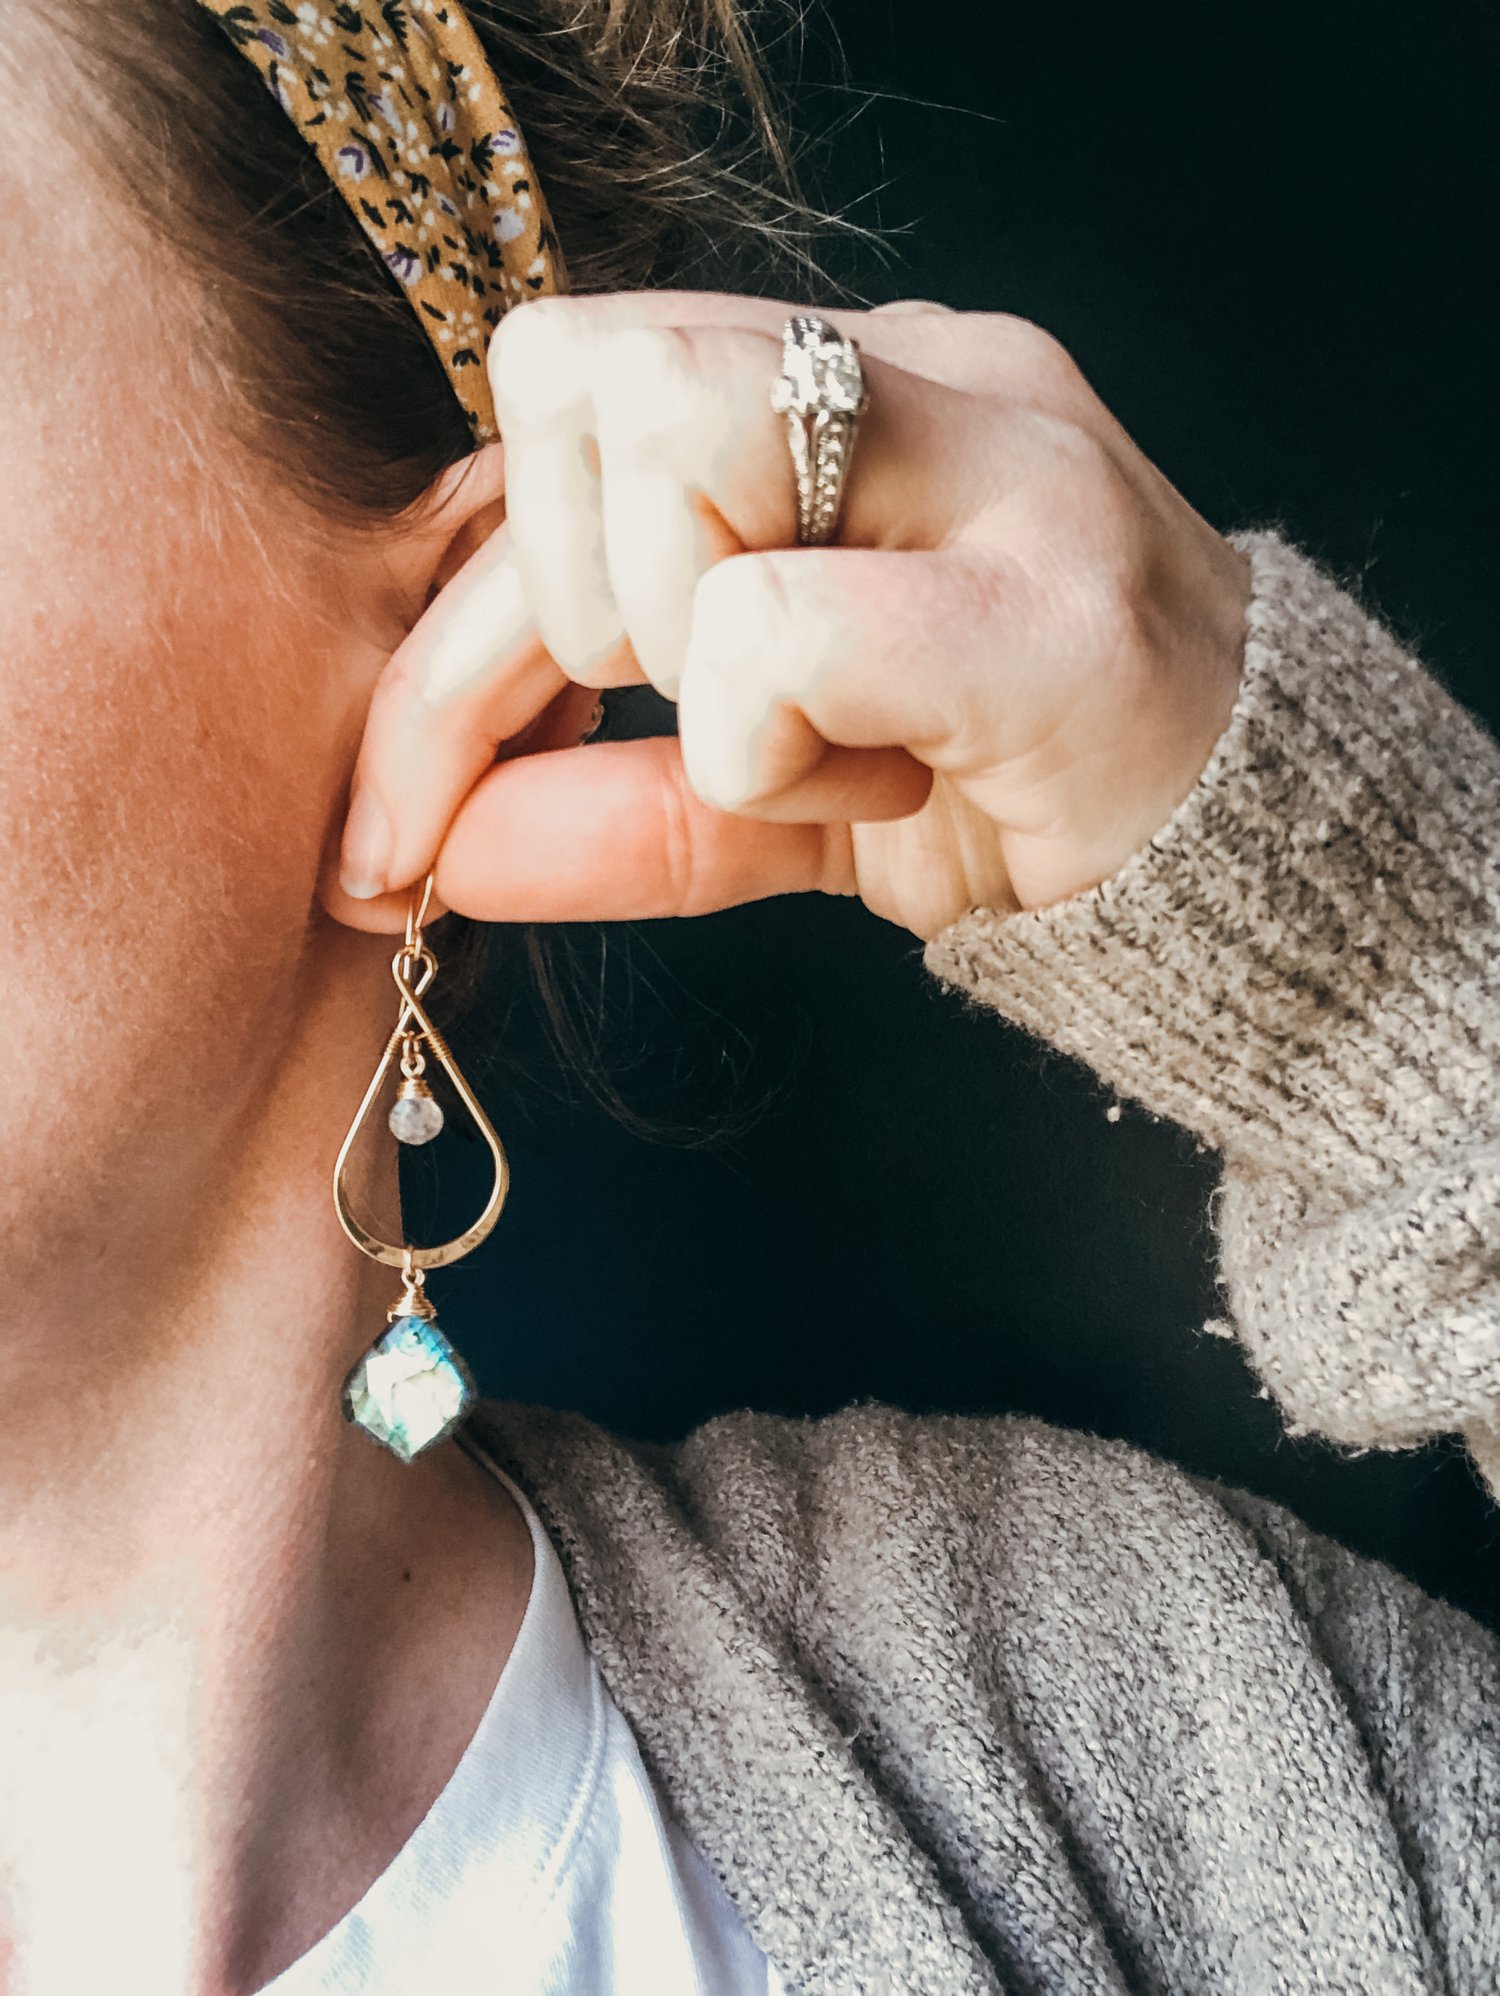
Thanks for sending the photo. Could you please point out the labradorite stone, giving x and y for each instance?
(410, 1389)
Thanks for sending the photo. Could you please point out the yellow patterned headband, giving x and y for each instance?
(399, 102)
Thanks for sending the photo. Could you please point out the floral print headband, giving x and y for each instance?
(399, 102)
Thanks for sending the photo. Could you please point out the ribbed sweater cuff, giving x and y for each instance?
(1295, 968)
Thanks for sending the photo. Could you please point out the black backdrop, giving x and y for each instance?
(1261, 231)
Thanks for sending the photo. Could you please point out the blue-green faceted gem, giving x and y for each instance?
(410, 1389)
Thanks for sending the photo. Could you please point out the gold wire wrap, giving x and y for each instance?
(414, 966)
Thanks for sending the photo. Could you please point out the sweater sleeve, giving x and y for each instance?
(1298, 970)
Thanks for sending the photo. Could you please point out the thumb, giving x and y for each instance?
(615, 832)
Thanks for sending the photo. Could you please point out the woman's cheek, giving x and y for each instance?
(176, 712)
(172, 729)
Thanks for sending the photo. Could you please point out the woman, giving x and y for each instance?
(871, 1703)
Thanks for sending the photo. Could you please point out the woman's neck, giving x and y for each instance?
(241, 1646)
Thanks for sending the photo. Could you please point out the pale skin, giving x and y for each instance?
(241, 1647)
(993, 691)
(223, 1703)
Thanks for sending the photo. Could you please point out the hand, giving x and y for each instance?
(992, 691)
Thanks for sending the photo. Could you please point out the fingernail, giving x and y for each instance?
(364, 863)
(721, 768)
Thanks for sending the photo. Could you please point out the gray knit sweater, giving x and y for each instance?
(963, 1705)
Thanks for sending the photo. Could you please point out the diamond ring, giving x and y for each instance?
(821, 391)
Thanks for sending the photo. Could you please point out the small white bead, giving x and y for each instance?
(415, 1119)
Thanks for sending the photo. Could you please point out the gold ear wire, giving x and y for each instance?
(411, 1388)
(395, 1255)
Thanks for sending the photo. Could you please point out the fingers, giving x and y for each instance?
(822, 686)
(613, 832)
(690, 475)
(643, 464)
(561, 723)
(638, 456)
(971, 350)
(471, 673)
(887, 656)
(804, 708)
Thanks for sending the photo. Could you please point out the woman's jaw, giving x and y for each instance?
(196, 1551)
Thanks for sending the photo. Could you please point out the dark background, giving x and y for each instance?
(1262, 233)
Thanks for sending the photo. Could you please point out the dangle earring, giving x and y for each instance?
(411, 1388)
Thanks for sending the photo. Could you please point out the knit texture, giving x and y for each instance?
(961, 1705)
(968, 1705)
(1299, 969)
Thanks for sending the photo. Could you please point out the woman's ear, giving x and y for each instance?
(424, 547)
(465, 506)
(452, 520)
(471, 498)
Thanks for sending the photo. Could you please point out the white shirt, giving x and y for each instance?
(547, 1866)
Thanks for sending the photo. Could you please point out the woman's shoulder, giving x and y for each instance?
(1029, 1653)
(1006, 1523)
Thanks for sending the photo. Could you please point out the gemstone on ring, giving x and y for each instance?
(821, 370)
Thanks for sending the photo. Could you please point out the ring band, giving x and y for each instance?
(822, 392)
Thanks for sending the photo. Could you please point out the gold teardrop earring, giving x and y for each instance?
(411, 1388)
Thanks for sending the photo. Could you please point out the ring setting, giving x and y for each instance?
(822, 393)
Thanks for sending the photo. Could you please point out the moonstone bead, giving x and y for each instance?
(410, 1389)
(415, 1119)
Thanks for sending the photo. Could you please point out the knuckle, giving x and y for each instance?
(1042, 357)
(643, 385)
(894, 307)
(532, 361)
(742, 606)
(678, 846)
(1078, 460)
(1089, 508)
(737, 667)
